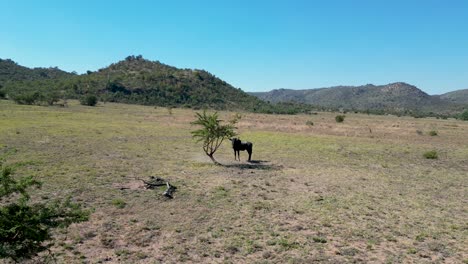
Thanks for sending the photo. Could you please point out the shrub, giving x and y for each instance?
(419, 132)
(433, 133)
(431, 154)
(464, 115)
(89, 100)
(119, 203)
(2, 94)
(309, 123)
(339, 118)
(27, 98)
(26, 227)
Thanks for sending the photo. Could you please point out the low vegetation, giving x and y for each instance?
(340, 118)
(25, 226)
(355, 192)
(432, 154)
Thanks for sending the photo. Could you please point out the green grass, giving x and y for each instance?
(328, 192)
(431, 154)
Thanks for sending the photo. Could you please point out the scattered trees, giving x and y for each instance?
(213, 132)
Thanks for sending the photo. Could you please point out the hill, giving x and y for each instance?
(135, 80)
(10, 71)
(459, 96)
(395, 97)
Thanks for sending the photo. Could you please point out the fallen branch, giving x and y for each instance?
(157, 182)
(170, 189)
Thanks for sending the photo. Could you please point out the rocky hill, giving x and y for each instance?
(459, 96)
(134, 80)
(10, 71)
(394, 97)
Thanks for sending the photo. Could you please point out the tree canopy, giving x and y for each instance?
(212, 132)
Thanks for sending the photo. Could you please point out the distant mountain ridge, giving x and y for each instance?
(393, 97)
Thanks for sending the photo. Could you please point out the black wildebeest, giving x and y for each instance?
(238, 145)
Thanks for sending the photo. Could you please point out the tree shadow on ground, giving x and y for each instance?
(254, 165)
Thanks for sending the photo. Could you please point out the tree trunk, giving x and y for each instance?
(213, 159)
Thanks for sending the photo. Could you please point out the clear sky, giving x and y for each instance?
(253, 45)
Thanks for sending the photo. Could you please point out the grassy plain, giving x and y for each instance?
(351, 192)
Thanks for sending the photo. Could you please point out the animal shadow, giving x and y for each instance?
(255, 165)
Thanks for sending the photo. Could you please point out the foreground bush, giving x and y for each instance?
(25, 227)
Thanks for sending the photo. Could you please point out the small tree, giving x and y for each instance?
(24, 226)
(212, 133)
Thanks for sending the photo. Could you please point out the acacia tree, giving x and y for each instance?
(212, 133)
(25, 227)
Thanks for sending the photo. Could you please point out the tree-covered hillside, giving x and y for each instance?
(392, 98)
(10, 71)
(136, 80)
(459, 96)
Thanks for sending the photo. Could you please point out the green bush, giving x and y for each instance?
(27, 98)
(119, 203)
(433, 133)
(26, 227)
(309, 123)
(464, 115)
(2, 94)
(89, 100)
(339, 118)
(431, 155)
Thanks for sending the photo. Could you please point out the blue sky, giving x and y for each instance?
(253, 45)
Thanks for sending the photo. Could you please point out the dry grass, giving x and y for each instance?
(357, 191)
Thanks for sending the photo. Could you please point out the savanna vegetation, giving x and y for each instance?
(360, 191)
